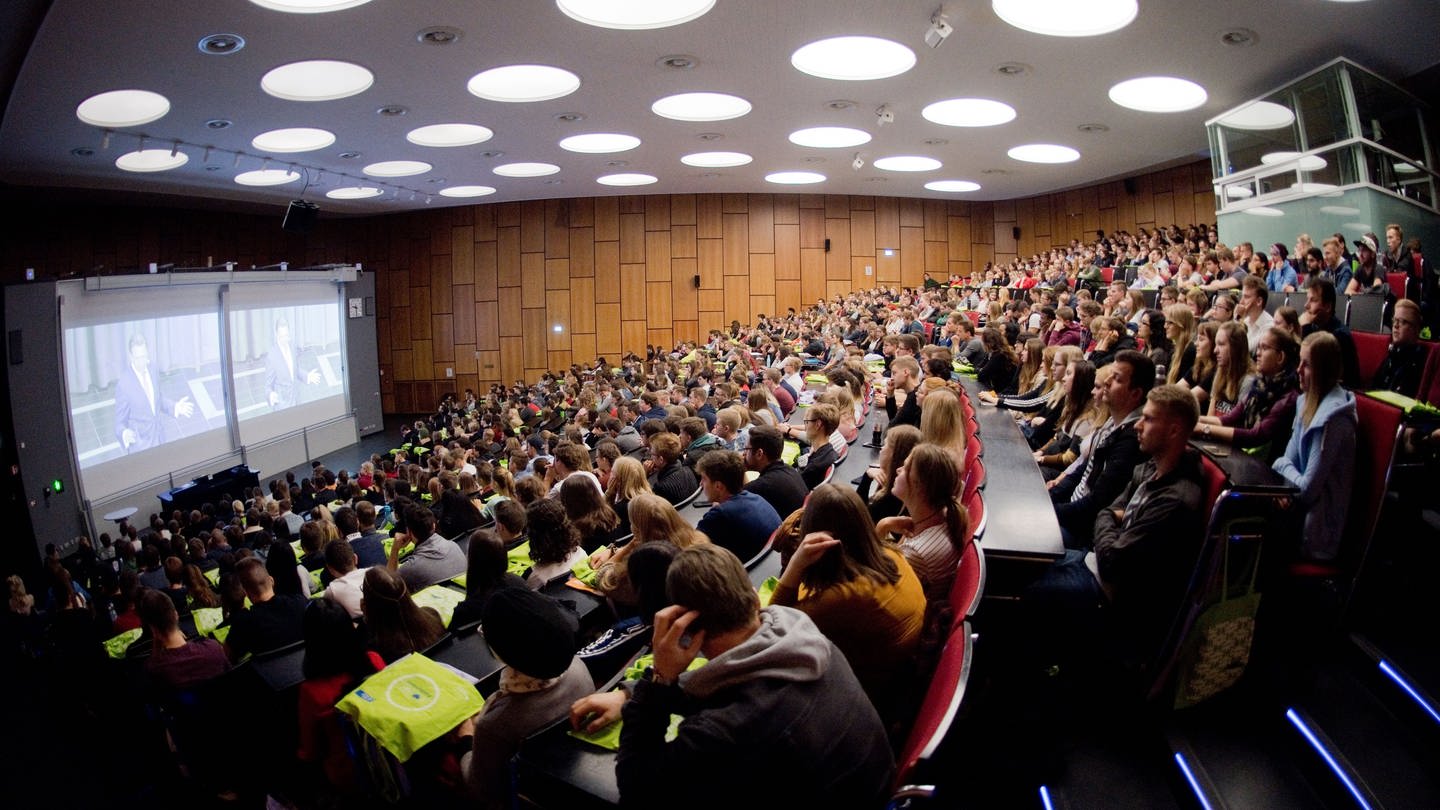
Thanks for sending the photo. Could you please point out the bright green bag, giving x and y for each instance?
(767, 590)
(116, 647)
(518, 559)
(1217, 646)
(207, 619)
(410, 704)
(789, 452)
(585, 573)
(441, 598)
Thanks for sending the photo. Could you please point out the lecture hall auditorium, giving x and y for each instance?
(597, 403)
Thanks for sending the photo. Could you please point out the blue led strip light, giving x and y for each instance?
(1409, 690)
(1329, 758)
(1045, 798)
(1194, 783)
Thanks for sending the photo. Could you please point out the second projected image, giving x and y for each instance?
(285, 356)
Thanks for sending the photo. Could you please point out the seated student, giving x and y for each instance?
(900, 403)
(1319, 460)
(271, 621)
(669, 478)
(860, 592)
(999, 372)
(347, 580)
(554, 543)
(435, 559)
(942, 422)
(698, 440)
(739, 520)
(1233, 377)
(1320, 317)
(1404, 361)
(312, 546)
(535, 639)
(778, 483)
(395, 624)
(1079, 495)
(882, 502)
(1084, 410)
(820, 424)
(336, 661)
(1261, 422)
(935, 528)
(174, 662)
(594, 519)
(1146, 539)
(654, 520)
(175, 585)
(368, 543)
(776, 701)
(486, 574)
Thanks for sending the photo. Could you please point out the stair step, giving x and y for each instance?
(1230, 750)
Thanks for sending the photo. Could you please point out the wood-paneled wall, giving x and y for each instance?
(472, 295)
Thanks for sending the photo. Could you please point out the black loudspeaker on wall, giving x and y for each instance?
(697, 281)
(1129, 184)
(300, 216)
(1015, 231)
(827, 245)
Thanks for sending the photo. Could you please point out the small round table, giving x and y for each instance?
(121, 515)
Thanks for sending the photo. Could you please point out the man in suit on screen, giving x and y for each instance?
(283, 375)
(139, 404)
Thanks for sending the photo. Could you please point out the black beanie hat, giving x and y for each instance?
(529, 631)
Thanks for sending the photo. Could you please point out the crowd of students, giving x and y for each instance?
(586, 467)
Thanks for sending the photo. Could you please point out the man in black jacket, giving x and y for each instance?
(779, 483)
(1114, 453)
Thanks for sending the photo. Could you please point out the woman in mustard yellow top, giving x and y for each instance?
(860, 592)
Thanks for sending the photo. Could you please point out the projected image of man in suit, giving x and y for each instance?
(283, 372)
(139, 404)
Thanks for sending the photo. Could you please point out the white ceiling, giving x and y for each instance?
(85, 47)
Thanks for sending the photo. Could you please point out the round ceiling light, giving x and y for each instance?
(1158, 94)
(294, 139)
(1264, 211)
(267, 177)
(1406, 168)
(309, 6)
(1259, 115)
(907, 163)
(317, 80)
(969, 112)
(151, 160)
(794, 178)
(354, 193)
(700, 107)
(716, 160)
(1309, 163)
(1067, 18)
(521, 83)
(1044, 153)
(525, 169)
(627, 179)
(599, 143)
(634, 15)
(466, 191)
(853, 58)
(1239, 192)
(397, 168)
(829, 137)
(442, 135)
(123, 108)
(952, 185)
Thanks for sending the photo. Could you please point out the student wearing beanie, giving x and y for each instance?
(535, 638)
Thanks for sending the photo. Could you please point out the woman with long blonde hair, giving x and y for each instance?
(942, 424)
(1180, 328)
(1233, 379)
(1319, 459)
(653, 520)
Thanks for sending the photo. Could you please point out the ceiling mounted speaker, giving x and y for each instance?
(300, 216)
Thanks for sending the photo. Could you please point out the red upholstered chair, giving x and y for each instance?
(940, 707)
(973, 315)
(1215, 481)
(972, 427)
(974, 478)
(975, 509)
(929, 331)
(829, 473)
(967, 407)
(974, 449)
(969, 585)
(1107, 274)
(1370, 349)
(1376, 439)
(1397, 283)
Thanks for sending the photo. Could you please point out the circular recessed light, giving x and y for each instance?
(716, 160)
(794, 178)
(1239, 192)
(1044, 153)
(151, 160)
(317, 80)
(267, 177)
(627, 179)
(439, 35)
(1238, 37)
(569, 117)
(1406, 168)
(829, 137)
(678, 61)
(1264, 211)
(1259, 115)
(219, 123)
(221, 44)
(123, 108)
(354, 193)
(1093, 128)
(519, 83)
(907, 163)
(1067, 18)
(525, 169)
(700, 107)
(599, 143)
(295, 139)
(952, 185)
(1158, 94)
(1309, 163)
(393, 110)
(853, 58)
(1013, 69)
(397, 168)
(1339, 210)
(82, 151)
(466, 191)
(309, 6)
(968, 112)
(449, 135)
(634, 14)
